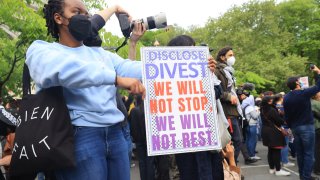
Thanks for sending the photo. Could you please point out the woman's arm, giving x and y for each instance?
(275, 117)
(5, 161)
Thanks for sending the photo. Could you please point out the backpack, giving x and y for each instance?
(245, 121)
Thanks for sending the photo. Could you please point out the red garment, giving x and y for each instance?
(230, 125)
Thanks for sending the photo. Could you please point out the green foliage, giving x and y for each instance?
(111, 42)
(251, 77)
(21, 26)
(302, 19)
(163, 36)
(95, 4)
(271, 41)
(267, 38)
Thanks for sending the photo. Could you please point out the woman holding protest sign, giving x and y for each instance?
(198, 165)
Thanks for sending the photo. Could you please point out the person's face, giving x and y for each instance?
(71, 8)
(281, 100)
(270, 102)
(317, 97)
(228, 55)
(299, 84)
(242, 97)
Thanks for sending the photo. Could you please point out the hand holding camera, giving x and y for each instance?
(137, 32)
(314, 68)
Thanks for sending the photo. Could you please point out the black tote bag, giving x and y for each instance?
(44, 134)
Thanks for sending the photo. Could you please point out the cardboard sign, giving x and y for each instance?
(180, 109)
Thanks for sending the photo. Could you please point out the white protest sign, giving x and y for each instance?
(180, 109)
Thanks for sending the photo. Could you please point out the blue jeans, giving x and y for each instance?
(304, 140)
(285, 151)
(251, 140)
(101, 154)
(41, 176)
(127, 137)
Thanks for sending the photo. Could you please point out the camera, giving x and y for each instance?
(311, 66)
(152, 22)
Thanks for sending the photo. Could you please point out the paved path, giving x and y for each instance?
(257, 171)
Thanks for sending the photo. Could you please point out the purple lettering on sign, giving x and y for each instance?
(185, 140)
(150, 67)
(161, 122)
(163, 142)
(155, 143)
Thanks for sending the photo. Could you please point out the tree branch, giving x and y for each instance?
(15, 60)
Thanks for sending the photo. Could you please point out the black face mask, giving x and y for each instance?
(80, 27)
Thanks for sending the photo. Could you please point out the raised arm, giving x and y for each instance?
(48, 68)
(137, 32)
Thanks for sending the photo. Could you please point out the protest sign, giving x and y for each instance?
(180, 110)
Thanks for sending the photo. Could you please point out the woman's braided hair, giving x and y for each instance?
(53, 6)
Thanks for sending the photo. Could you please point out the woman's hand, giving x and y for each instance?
(228, 151)
(5, 161)
(138, 30)
(212, 63)
(133, 85)
(119, 10)
(116, 9)
(316, 69)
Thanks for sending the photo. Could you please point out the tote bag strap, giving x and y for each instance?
(26, 81)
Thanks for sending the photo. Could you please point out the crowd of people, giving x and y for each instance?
(107, 124)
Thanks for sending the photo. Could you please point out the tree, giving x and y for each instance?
(261, 45)
(302, 19)
(20, 25)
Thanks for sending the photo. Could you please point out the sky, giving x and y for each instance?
(184, 13)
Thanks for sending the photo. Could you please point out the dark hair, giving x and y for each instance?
(182, 40)
(223, 52)
(265, 102)
(291, 82)
(277, 97)
(268, 93)
(53, 6)
(139, 102)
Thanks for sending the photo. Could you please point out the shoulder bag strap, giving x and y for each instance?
(26, 81)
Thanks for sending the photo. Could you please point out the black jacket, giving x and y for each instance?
(271, 136)
(137, 125)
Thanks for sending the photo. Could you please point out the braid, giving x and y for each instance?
(53, 6)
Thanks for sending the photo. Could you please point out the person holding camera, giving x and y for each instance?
(298, 115)
(204, 164)
(89, 77)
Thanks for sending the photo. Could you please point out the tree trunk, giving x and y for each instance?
(1, 97)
